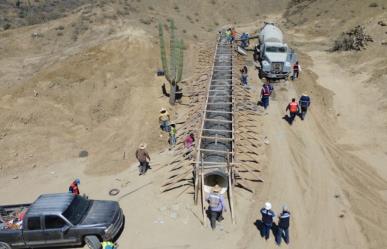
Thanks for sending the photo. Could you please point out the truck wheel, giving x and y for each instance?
(4, 246)
(260, 74)
(92, 242)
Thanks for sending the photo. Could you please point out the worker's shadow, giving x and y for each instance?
(288, 119)
(259, 225)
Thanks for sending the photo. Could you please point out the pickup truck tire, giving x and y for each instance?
(4, 246)
(93, 242)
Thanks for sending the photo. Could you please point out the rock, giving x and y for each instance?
(382, 23)
(337, 196)
(36, 94)
(266, 141)
(83, 153)
(34, 166)
(338, 114)
(15, 177)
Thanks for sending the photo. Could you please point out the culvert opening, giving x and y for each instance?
(215, 177)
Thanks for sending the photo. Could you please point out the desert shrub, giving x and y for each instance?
(354, 39)
(373, 5)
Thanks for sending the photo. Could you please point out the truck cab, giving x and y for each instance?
(58, 220)
(274, 62)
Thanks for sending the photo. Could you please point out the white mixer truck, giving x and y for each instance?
(275, 57)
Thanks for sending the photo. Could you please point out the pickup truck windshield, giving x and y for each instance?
(77, 210)
(276, 49)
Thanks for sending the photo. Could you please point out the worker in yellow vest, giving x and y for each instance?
(108, 245)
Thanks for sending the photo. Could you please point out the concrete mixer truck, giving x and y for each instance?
(275, 57)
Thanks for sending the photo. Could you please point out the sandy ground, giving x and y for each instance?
(329, 169)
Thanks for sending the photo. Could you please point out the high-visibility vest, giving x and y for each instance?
(266, 91)
(293, 107)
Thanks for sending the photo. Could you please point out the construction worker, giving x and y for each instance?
(283, 226)
(143, 158)
(268, 216)
(244, 76)
(228, 35)
(189, 140)
(216, 205)
(304, 103)
(108, 245)
(164, 120)
(172, 134)
(74, 188)
(266, 91)
(244, 40)
(293, 109)
(296, 70)
(233, 34)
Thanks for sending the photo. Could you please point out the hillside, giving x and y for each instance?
(81, 76)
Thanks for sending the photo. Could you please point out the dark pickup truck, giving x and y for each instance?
(60, 220)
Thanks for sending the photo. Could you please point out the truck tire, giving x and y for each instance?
(260, 74)
(92, 242)
(4, 245)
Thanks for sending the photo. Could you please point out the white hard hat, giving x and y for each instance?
(267, 205)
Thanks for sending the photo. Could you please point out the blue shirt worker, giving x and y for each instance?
(304, 104)
(216, 206)
(244, 40)
(283, 226)
(268, 216)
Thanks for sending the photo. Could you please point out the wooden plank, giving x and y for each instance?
(218, 138)
(230, 195)
(216, 151)
(215, 130)
(217, 120)
(203, 197)
(222, 112)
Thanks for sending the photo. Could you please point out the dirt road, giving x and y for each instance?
(326, 185)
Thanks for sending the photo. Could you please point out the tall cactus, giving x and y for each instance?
(173, 70)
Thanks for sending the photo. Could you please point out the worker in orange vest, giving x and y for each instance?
(74, 189)
(293, 109)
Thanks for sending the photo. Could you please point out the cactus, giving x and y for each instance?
(174, 70)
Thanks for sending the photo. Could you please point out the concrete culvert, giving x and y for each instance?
(215, 177)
